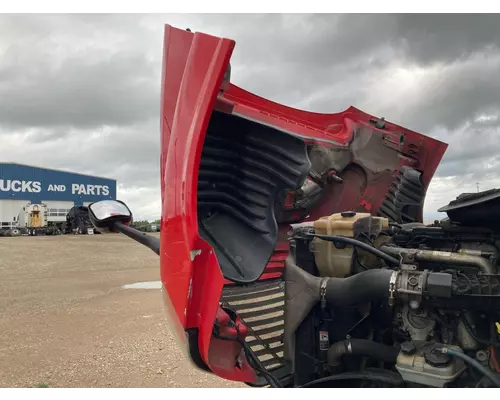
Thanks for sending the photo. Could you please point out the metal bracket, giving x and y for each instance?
(392, 288)
(322, 292)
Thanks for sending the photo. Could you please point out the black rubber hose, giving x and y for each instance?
(258, 366)
(253, 360)
(365, 286)
(357, 243)
(377, 375)
(361, 347)
(473, 363)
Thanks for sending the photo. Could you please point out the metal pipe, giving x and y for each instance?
(454, 258)
(444, 257)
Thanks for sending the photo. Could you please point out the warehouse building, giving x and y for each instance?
(55, 191)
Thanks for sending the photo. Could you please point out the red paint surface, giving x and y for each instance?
(193, 70)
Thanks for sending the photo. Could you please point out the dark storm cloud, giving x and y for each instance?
(295, 56)
(326, 63)
(129, 154)
(46, 80)
(457, 93)
(446, 37)
(85, 88)
(285, 57)
(473, 149)
(79, 93)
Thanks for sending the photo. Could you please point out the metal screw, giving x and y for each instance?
(481, 356)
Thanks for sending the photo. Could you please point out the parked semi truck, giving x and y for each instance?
(33, 220)
(78, 222)
(9, 228)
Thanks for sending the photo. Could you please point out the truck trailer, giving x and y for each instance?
(33, 220)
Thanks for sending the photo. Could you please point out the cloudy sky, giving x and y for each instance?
(82, 92)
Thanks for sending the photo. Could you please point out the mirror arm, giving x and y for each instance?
(152, 242)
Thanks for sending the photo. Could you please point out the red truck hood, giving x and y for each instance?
(232, 166)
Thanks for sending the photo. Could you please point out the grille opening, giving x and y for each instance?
(261, 307)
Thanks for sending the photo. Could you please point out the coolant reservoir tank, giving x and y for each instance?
(426, 365)
(337, 262)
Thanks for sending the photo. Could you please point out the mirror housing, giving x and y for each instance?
(106, 213)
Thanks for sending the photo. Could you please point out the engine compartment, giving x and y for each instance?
(369, 296)
(355, 318)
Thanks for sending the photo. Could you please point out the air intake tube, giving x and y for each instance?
(365, 286)
(303, 291)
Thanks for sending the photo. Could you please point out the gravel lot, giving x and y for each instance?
(66, 321)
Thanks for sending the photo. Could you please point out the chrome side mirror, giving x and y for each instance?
(105, 214)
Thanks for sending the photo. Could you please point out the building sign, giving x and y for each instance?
(36, 187)
(19, 181)
(20, 186)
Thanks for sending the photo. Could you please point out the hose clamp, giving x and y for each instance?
(392, 288)
(322, 292)
(349, 347)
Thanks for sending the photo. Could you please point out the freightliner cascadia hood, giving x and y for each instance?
(237, 169)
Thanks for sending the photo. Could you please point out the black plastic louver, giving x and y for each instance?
(404, 200)
(244, 167)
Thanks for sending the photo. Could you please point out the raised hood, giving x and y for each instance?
(237, 169)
